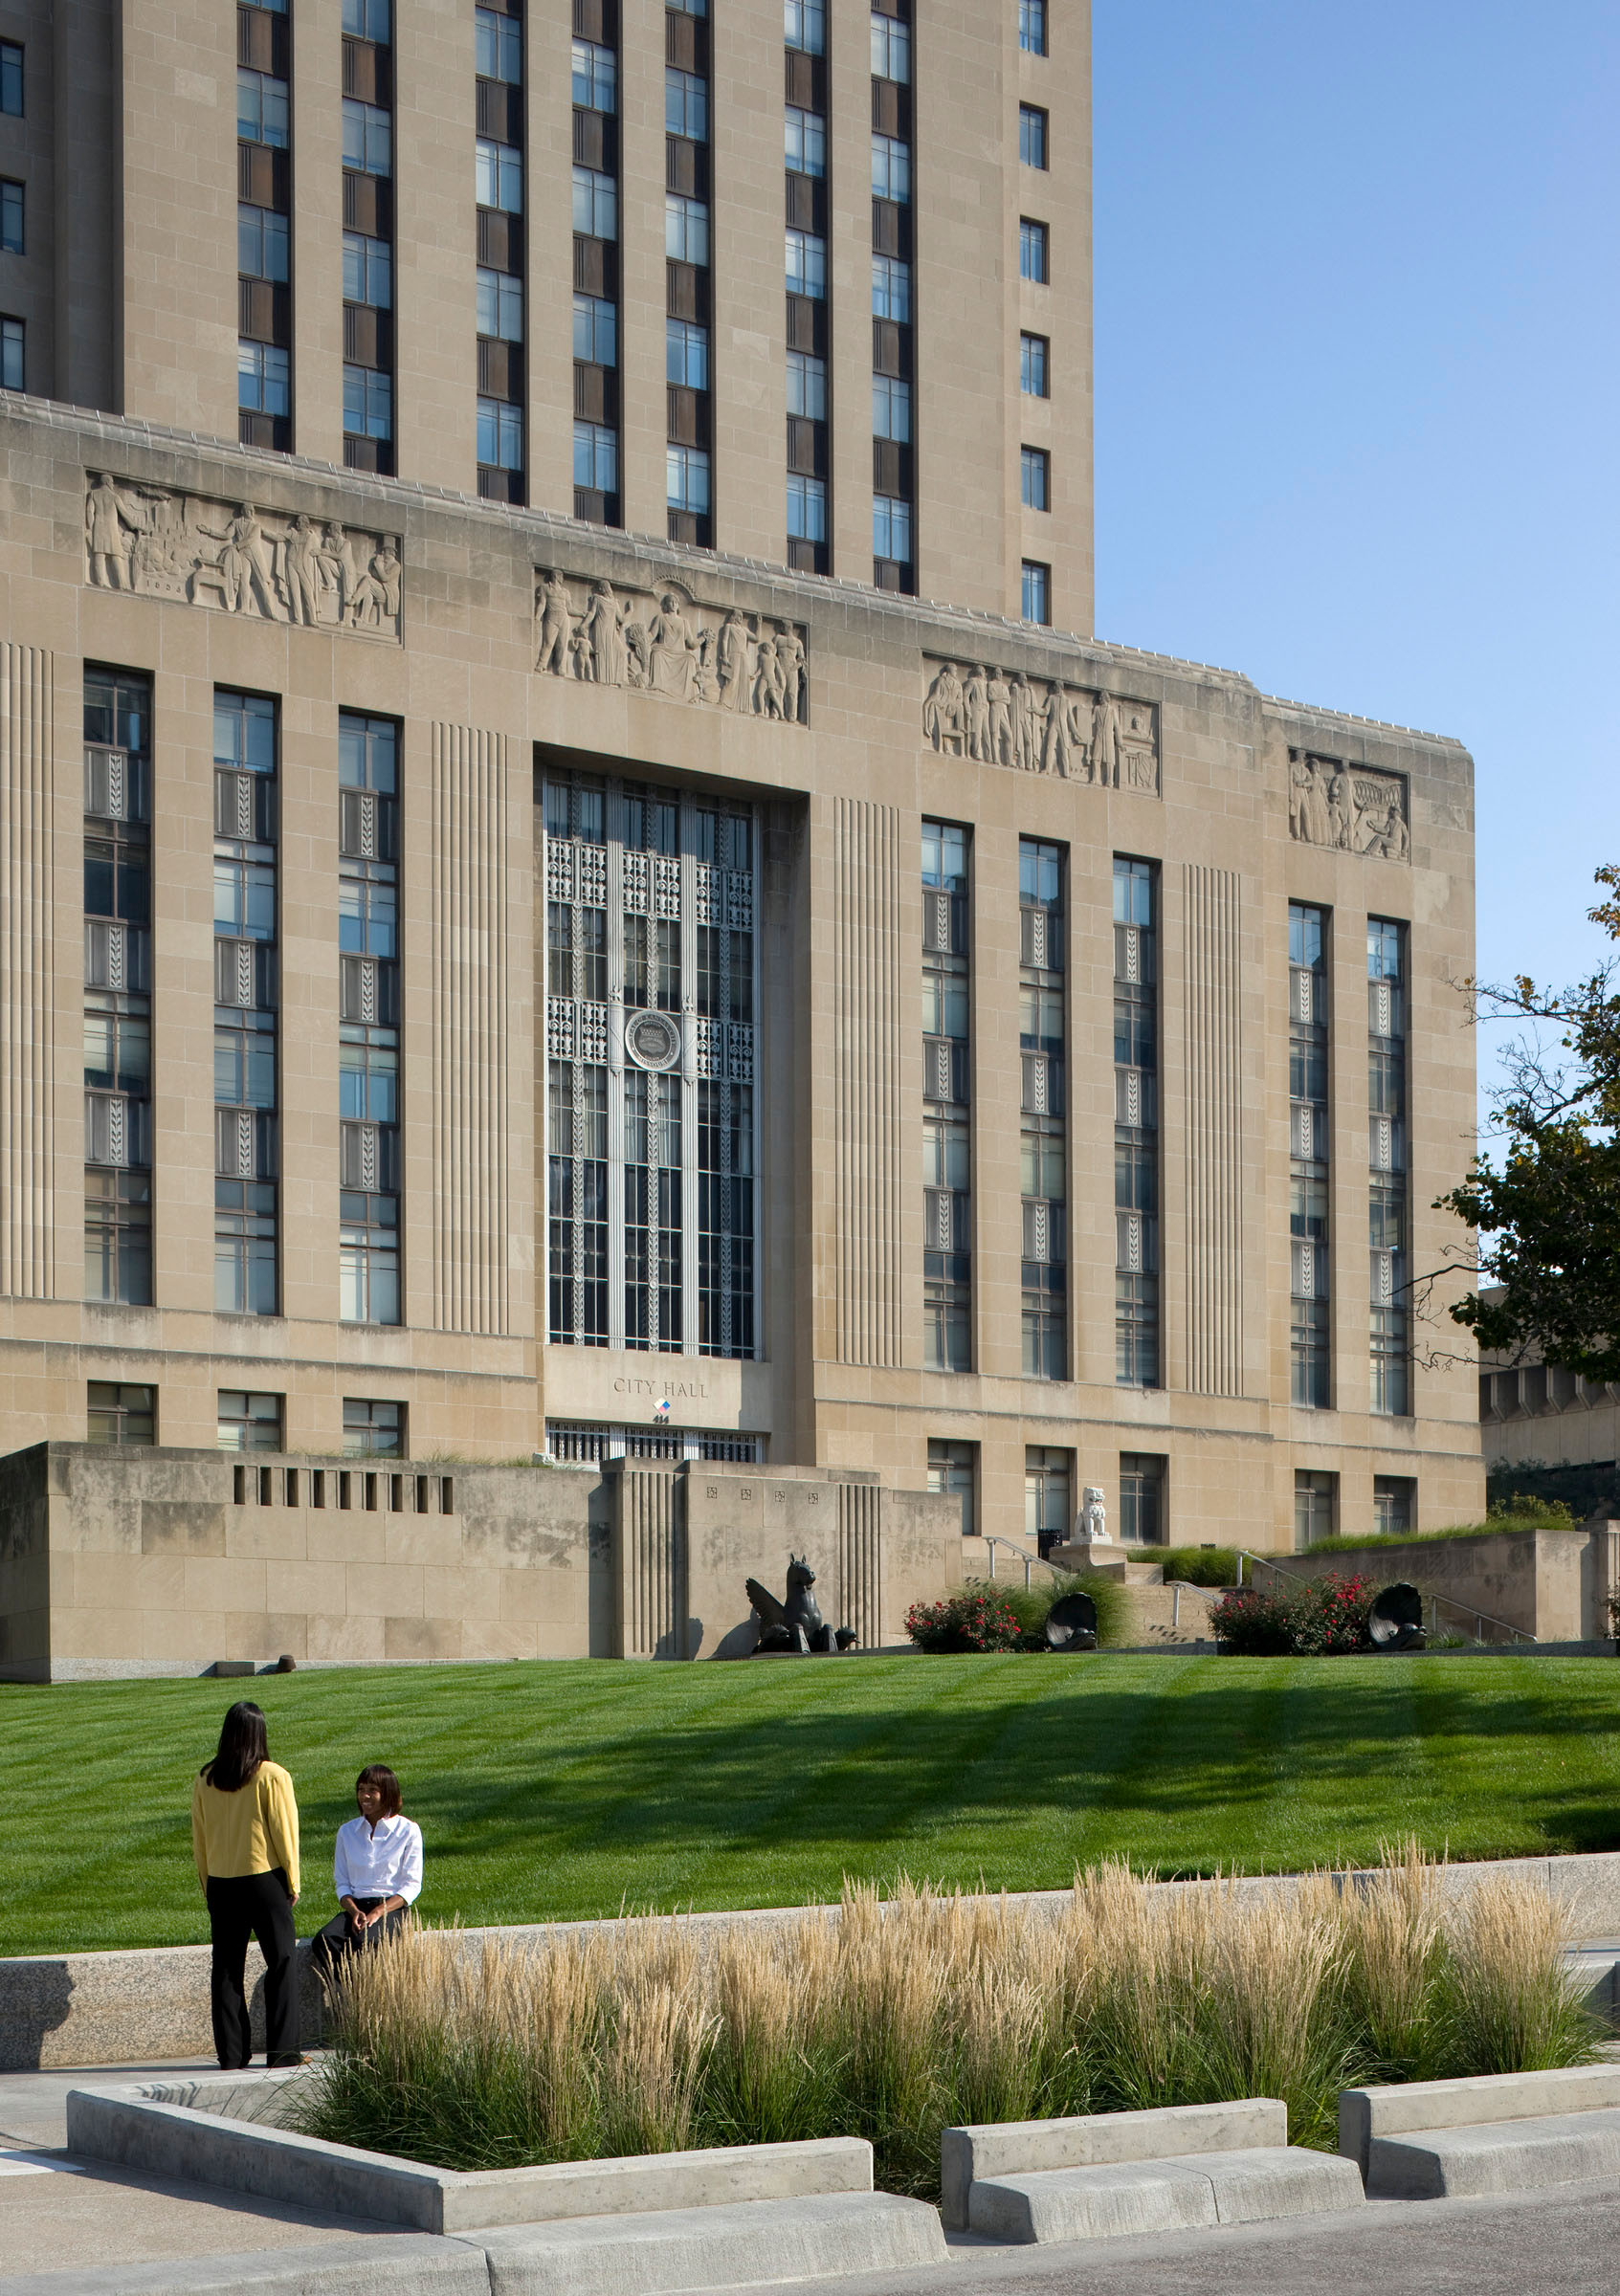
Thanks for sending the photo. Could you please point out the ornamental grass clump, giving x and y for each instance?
(900, 2012)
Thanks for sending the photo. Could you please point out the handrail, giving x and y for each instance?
(1435, 1603)
(994, 1539)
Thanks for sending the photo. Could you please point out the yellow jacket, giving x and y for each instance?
(251, 1831)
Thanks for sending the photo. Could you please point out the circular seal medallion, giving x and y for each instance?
(653, 1040)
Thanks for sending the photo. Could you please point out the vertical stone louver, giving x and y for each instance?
(652, 1589)
(868, 1222)
(471, 1030)
(860, 1563)
(27, 1208)
(1213, 1148)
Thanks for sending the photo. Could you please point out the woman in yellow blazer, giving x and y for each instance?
(245, 1840)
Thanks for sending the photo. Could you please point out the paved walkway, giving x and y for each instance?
(58, 2216)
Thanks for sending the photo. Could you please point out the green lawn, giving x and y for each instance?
(566, 1790)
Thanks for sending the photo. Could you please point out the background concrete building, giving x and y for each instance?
(498, 961)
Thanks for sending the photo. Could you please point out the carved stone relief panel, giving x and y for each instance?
(667, 643)
(1003, 717)
(155, 542)
(1346, 807)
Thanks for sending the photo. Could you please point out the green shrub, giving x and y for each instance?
(1198, 1566)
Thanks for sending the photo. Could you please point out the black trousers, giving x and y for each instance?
(253, 1904)
(330, 1948)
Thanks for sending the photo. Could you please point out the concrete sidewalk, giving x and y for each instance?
(57, 2214)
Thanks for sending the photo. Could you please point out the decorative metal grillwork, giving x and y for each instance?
(650, 1039)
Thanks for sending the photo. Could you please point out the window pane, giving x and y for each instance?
(891, 408)
(806, 387)
(804, 25)
(890, 169)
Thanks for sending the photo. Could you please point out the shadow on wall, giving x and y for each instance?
(36, 1999)
(679, 1641)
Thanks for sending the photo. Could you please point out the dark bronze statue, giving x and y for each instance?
(795, 1627)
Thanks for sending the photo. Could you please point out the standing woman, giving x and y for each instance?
(245, 1840)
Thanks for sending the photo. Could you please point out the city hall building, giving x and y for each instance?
(594, 961)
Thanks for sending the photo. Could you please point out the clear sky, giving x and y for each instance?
(1358, 392)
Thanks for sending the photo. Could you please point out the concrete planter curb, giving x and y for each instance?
(138, 2007)
(1115, 2174)
(195, 2130)
(1499, 2132)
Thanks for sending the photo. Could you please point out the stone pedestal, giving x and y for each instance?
(1090, 1555)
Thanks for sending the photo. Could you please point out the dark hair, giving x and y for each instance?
(380, 1775)
(242, 1748)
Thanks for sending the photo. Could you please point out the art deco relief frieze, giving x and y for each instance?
(1003, 717)
(669, 644)
(1347, 808)
(155, 542)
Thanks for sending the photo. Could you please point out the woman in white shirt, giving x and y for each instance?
(376, 1869)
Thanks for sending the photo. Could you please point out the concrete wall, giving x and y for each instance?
(121, 1562)
(1553, 1584)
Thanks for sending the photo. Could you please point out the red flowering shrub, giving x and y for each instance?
(975, 1618)
(1316, 1618)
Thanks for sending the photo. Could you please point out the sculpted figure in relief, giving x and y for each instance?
(1007, 719)
(158, 542)
(300, 564)
(670, 646)
(555, 626)
(673, 648)
(112, 521)
(1333, 804)
(245, 567)
(731, 661)
(1105, 741)
(944, 713)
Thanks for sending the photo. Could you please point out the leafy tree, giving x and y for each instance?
(1549, 1219)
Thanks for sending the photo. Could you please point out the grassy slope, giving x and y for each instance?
(565, 1790)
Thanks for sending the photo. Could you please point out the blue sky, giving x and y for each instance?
(1358, 374)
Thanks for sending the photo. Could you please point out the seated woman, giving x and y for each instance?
(376, 1870)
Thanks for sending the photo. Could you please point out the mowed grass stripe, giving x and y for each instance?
(555, 1792)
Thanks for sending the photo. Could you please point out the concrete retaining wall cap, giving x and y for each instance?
(390, 2264)
(997, 2149)
(681, 2250)
(1368, 2114)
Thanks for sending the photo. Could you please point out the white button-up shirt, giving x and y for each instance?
(384, 1863)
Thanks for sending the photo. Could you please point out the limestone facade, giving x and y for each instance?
(135, 298)
(1091, 753)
